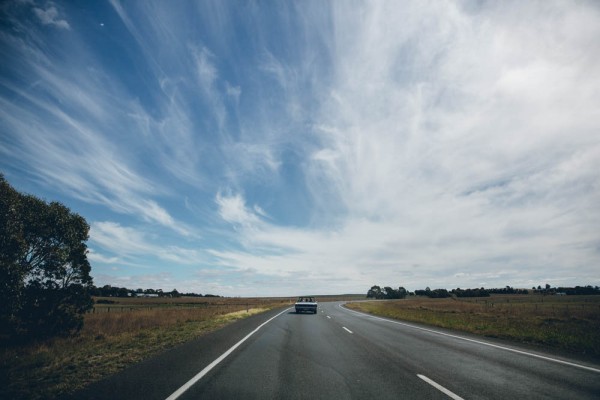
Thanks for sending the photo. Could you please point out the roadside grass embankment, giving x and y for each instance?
(114, 336)
(570, 323)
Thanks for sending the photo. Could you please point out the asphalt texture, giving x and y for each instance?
(341, 354)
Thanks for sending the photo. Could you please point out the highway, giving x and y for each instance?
(341, 354)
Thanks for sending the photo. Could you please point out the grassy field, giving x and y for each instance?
(570, 323)
(116, 334)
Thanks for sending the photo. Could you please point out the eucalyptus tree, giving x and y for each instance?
(44, 270)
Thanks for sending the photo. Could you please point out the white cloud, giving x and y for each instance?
(129, 243)
(248, 160)
(232, 208)
(94, 257)
(234, 91)
(75, 129)
(155, 213)
(403, 134)
(50, 16)
(458, 140)
(440, 143)
(119, 239)
(207, 72)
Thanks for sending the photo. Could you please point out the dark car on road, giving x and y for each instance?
(306, 304)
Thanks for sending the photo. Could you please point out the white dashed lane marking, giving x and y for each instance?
(440, 388)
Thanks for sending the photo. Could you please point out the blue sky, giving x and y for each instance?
(249, 148)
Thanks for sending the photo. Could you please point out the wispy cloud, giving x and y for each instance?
(73, 128)
(50, 16)
(233, 209)
(315, 147)
(461, 140)
(132, 243)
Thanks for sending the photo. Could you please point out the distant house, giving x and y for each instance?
(150, 295)
(561, 294)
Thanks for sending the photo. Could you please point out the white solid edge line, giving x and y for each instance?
(440, 388)
(346, 329)
(556, 360)
(210, 366)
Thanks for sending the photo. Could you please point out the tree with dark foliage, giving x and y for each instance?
(386, 293)
(375, 292)
(44, 271)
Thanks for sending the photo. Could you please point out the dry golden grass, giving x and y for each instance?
(110, 341)
(114, 323)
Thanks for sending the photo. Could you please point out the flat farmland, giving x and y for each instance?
(569, 323)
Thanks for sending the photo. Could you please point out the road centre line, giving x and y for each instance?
(556, 360)
(347, 330)
(328, 317)
(440, 388)
(210, 366)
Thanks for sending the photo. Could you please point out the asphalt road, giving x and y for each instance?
(340, 354)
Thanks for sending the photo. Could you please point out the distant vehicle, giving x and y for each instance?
(306, 304)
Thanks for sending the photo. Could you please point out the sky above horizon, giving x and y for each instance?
(248, 148)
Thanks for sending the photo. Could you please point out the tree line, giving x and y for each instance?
(114, 291)
(387, 292)
(571, 291)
